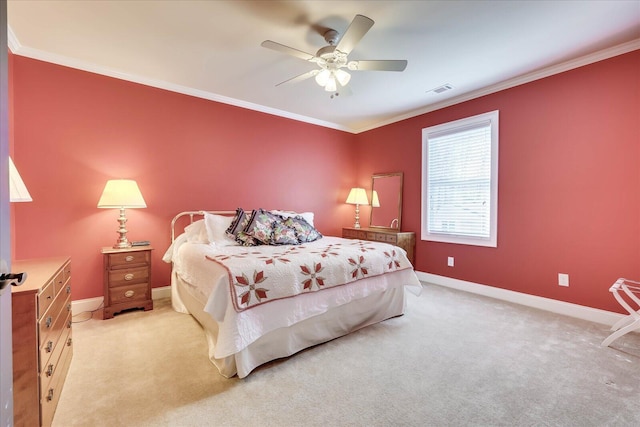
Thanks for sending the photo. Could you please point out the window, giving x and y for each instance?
(460, 181)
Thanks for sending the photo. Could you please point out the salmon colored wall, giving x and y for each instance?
(74, 130)
(569, 184)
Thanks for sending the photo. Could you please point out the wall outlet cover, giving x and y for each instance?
(563, 279)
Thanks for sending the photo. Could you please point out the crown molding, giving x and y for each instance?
(13, 43)
(516, 81)
(18, 49)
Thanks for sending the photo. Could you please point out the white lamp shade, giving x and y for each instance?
(375, 201)
(357, 196)
(17, 190)
(121, 193)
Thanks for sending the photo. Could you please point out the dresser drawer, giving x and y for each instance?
(51, 345)
(129, 276)
(48, 323)
(51, 387)
(45, 298)
(128, 259)
(137, 292)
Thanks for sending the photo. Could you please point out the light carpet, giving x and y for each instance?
(455, 359)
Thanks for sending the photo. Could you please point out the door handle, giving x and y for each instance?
(12, 279)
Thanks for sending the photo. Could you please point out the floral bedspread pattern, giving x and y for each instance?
(258, 277)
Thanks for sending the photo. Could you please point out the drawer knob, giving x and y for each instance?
(49, 347)
(69, 324)
(68, 307)
(50, 395)
(129, 293)
(48, 322)
(49, 370)
(69, 289)
(69, 342)
(129, 258)
(128, 276)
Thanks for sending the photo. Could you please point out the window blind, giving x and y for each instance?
(459, 181)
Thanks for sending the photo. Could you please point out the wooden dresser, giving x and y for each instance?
(42, 345)
(403, 239)
(127, 279)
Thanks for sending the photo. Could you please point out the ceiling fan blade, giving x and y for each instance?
(300, 78)
(357, 29)
(288, 50)
(378, 65)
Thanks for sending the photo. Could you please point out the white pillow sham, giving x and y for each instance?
(216, 226)
(196, 232)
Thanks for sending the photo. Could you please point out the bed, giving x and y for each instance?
(246, 300)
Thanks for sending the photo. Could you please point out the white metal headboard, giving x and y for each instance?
(191, 215)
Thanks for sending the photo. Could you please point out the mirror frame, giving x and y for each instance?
(373, 180)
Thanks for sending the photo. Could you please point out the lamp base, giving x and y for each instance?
(122, 245)
(122, 242)
(357, 224)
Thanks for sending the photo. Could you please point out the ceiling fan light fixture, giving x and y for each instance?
(343, 77)
(331, 85)
(323, 77)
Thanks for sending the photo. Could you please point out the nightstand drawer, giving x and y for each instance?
(122, 294)
(128, 277)
(128, 259)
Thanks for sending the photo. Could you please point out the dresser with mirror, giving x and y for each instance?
(385, 218)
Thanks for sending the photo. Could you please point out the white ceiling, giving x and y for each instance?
(212, 49)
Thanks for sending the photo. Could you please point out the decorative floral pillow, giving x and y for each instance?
(283, 235)
(304, 231)
(260, 225)
(238, 223)
(246, 240)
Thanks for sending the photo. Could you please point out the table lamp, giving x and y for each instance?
(357, 196)
(121, 194)
(17, 190)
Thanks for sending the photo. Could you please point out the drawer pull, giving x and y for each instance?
(69, 342)
(68, 307)
(69, 324)
(49, 297)
(48, 322)
(129, 258)
(49, 347)
(129, 293)
(69, 289)
(128, 276)
(50, 395)
(49, 370)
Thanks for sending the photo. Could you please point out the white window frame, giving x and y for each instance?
(492, 239)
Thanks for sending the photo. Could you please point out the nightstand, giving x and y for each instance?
(127, 279)
(403, 239)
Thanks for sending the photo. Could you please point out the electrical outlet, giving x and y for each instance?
(450, 261)
(563, 279)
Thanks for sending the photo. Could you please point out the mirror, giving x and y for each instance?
(386, 200)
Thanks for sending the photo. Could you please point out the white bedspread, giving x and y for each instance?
(209, 282)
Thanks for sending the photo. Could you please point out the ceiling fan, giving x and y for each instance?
(332, 59)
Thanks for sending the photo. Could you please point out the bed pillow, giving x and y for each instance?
(260, 225)
(283, 235)
(308, 216)
(196, 232)
(238, 222)
(304, 231)
(216, 226)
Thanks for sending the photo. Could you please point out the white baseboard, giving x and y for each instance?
(568, 309)
(92, 304)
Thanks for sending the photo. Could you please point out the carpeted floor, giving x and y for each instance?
(455, 359)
